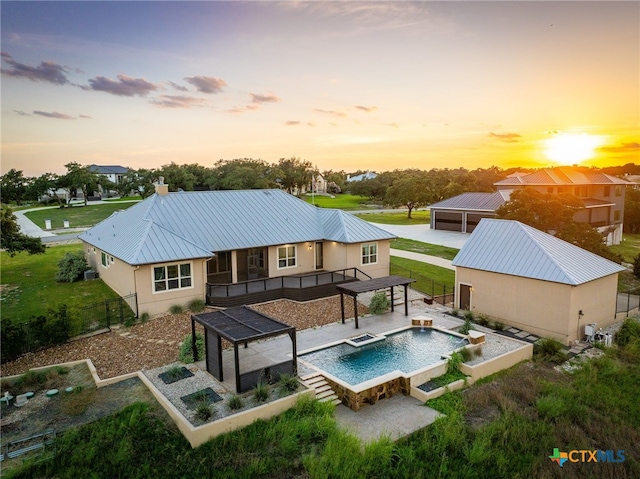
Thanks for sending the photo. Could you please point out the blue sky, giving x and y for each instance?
(346, 85)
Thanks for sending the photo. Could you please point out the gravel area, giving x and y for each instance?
(157, 342)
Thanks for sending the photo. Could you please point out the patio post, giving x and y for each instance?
(355, 307)
(406, 300)
(193, 341)
(392, 301)
(342, 305)
(294, 349)
(237, 364)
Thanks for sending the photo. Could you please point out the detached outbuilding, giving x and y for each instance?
(534, 281)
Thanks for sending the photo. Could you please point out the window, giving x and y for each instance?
(369, 253)
(172, 276)
(106, 260)
(607, 190)
(618, 190)
(616, 215)
(286, 257)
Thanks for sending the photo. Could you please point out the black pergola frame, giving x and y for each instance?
(353, 289)
(239, 325)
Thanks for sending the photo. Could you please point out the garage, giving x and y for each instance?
(473, 219)
(448, 221)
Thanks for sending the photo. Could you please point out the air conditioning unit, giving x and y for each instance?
(89, 274)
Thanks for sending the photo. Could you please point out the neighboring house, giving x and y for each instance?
(226, 247)
(464, 212)
(113, 173)
(369, 175)
(531, 280)
(318, 184)
(601, 194)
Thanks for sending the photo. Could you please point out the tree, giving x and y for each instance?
(243, 174)
(13, 186)
(81, 178)
(632, 211)
(410, 190)
(140, 181)
(636, 266)
(12, 240)
(178, 177)
(45, 185)
(294, 174)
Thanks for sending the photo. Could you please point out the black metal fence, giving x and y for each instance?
(628, 301)
(59, 325)
(440, 293)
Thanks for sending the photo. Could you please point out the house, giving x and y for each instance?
(602, 196)
(463, 212)
(369, 175)
(231, 248)
(531, 280)
(114, 173)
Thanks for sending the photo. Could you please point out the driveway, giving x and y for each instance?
(425, 234)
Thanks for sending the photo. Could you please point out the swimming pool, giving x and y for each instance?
(407, 351)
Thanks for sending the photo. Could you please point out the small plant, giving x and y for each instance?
(482, 320)
(144, 317)
(176, 309)
(261, 392)
(466, 354)
(288, 383)
(174, 372)
(498, 326)
(455, 312)
(454, 362)
(466, 327)
(628, 332)
(186, 350)
(203, 411)
(468, 315)
(379, 303)
(235, 402)
(71, 267)
(549, 349)
(129, 321)
(196, 306)
(477, 352)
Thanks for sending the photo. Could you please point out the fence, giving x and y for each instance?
(628, 301)
(57, 326)
(441, 293)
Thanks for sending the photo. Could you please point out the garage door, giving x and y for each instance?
(448, 221)
(473, 220)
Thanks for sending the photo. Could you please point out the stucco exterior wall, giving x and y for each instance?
(543, 308)
(118, 275)
(340, 255)
(160, 302)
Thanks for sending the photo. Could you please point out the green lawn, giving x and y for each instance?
(629, 248)
(125, 198)
(340, 202)
(424, 248)
(78, 216)
(424, 273)
(417, 218)
(29, 287)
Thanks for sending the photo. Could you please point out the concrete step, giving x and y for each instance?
(323, 388)
(325, 394)
(333, 399)
(311, 376)
(316, 382)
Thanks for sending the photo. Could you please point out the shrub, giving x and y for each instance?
(466, 327)
(71, 267)
(379, 303)
(235, 402)
(477, 352)
(288, 383)
(261, 392)
(174, 372)
(454, 362)
(186, 350)
(549, 349)
(636, 266)
(176, 309)
(203, 411)
(465, 353)
(455, 312)
(482, 320)
(468, 315)
(144, 317)
(628, 332)
(197, 305)
(498, 326)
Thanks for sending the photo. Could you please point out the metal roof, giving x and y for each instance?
(187, 225)
(242, 324)
(109, 169)
(353, 289)
(561, 176)
(513, 248)
(472, 201)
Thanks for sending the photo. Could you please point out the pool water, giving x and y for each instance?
(406, 351)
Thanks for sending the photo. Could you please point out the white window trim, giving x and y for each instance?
(108, 259)
(166, 265)
(295, 256)
(362, 256)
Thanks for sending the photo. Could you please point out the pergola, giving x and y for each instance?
(357, 287)
(240, 326)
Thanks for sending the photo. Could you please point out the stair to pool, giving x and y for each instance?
(324, 393)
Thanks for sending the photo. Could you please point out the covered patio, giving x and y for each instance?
(242, 325)
(353, 289)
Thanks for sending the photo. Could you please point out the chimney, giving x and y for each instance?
(161, 188)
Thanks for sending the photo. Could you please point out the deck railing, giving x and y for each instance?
(310, 280)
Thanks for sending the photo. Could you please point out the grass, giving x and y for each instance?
(78, 216)
(124, 198)
(29, 287)
(341, 201)
(417, 218)
(424, 248)
(505, 426)
(629, 248)
(409, 268)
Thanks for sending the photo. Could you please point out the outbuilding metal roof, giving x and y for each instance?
(187, 225)
(511, 247)
(473, 201)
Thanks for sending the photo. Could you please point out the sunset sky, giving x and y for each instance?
(345, 85)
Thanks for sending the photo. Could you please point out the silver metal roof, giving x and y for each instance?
(472, 201)
(511, 247)
(194, 224)
(561, 176)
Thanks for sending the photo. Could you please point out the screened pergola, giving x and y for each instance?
(242, 325)
(355, 288)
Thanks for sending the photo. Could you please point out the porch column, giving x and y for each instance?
(342, 305)
(355, 308)
(234, 266)
(406, 300)
(237, 364)
(392, 301)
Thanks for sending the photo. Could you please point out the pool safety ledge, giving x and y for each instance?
(364, 339)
